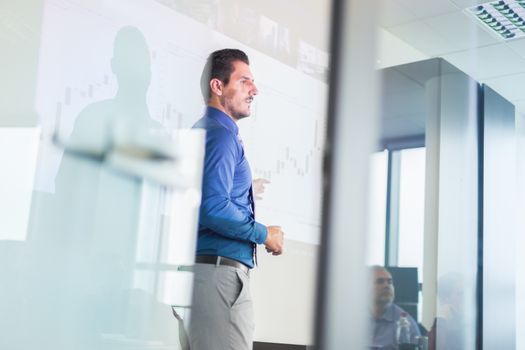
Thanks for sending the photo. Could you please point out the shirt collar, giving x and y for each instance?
(222, 118)
(389, 314)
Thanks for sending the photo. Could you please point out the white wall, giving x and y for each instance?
(284, 289)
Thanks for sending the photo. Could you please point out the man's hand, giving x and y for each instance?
(274, 241)
(258, 187)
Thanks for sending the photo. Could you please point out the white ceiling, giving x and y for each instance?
(442, 28)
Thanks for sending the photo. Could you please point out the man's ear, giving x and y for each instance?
(216, 86)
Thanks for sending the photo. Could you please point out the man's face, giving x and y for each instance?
(239, 92)
(383, 287)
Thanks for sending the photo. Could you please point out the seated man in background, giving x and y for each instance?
(385, 313)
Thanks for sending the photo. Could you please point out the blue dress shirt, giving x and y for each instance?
(227, 226)
(384, 328)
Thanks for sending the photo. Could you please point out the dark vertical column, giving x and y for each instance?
(479, 277)
(499, 222)
(392, 209)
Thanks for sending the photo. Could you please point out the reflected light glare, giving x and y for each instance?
(192, 197)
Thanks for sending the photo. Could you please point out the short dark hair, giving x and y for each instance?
(219, 65)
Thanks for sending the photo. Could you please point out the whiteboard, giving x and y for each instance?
(283, 137)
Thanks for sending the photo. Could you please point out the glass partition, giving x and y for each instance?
(431, 104)
(442, 89)
(385, 134)
(102, 187)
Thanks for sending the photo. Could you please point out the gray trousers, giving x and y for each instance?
(222, 309)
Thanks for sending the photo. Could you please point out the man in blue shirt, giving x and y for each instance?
(385, 313)
(222, 312)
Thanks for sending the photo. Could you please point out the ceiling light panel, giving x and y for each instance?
(505, 18)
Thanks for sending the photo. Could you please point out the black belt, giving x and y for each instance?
(220, 260)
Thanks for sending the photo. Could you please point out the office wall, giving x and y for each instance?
(284, 293)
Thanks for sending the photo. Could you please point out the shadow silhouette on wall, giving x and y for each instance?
(74, 285)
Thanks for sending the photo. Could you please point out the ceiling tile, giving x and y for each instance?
(488, 62)
(422, 37)
(440, 35)
(511, 87)
(393, 13)
(463, 4)
(518, 46)
(430, 8)
(461, 30)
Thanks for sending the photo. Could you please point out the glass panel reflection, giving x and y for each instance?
(114, 209)
(432, 104)
(107, 230)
